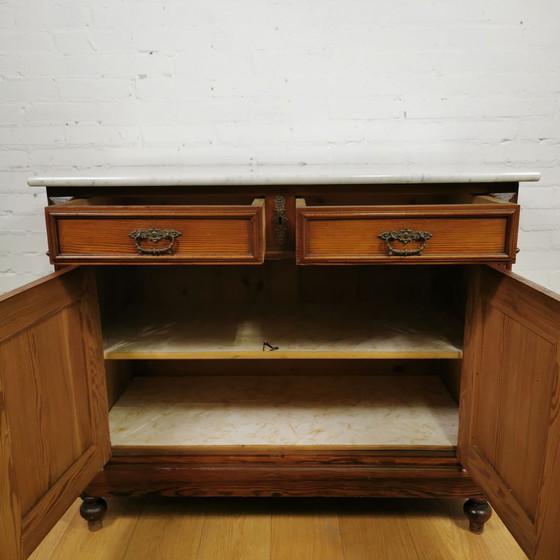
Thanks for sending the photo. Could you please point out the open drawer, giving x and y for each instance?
(94, 232)
(478, 229)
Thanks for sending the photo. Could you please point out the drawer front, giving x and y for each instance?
(458, 234)
(165, 234)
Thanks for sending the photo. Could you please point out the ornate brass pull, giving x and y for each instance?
(405, 236)
(154, 235)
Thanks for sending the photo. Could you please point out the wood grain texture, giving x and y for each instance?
(460, 233)
(228, 529)
(278, 284)
(476, 230)
(228, 533)
(55, 409)
(510, 433)
(10, 514)
(450, 542)
(52, 541)
(283, 472)
(77, 542)
(167, 529)
(92, 234)
(389, 539)
(301, 532)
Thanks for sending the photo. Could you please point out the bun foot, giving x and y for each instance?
(93, 510)
(478, 512)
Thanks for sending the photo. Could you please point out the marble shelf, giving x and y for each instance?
(306, 331)
(388, 412)
(238, 175)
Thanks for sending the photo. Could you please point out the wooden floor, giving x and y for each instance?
(255, 529)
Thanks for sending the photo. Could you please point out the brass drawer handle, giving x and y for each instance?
(405, 236)
(154, 235)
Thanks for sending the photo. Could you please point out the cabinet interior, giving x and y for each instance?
(280, 355)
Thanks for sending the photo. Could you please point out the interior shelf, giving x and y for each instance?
(389, 412)
(308, 331)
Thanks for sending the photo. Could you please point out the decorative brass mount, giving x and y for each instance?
(154, 235)
(280, 220)
(405, 236)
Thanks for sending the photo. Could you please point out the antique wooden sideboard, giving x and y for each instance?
(281, 332)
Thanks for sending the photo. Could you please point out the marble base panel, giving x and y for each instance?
(304, 330)
(377, 411)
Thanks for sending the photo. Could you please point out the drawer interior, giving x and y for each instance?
(404, 199)
(212, 199)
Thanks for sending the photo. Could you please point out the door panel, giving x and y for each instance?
(53, 428)
(509, 437)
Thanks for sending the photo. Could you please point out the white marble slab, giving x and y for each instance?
(281, 175)
(298, 331)
(346, 410)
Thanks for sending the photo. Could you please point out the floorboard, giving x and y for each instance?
(278, 529)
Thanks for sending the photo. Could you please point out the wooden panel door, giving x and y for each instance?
(509, 438)
(54, 432)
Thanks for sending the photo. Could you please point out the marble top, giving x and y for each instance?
(278, 175)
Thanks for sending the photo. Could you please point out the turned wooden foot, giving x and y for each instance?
(478, 512)
(93, 510)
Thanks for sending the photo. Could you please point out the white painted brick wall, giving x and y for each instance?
(104, 83)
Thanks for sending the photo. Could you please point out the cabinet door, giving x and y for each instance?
(510, 405)
(54, 432)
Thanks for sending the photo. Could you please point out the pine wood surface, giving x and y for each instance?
(229, 529)
(510, 424)
(209, 234)
(460, 233)
(54, 428)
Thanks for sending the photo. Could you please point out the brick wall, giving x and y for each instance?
(104, 83)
